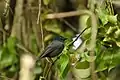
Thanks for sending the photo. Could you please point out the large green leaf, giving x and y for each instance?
(8, 55)
(63, 65)
(82, 65)
(108, 59)
(112, 19)
(102, 14)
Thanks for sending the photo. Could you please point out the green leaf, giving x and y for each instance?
(11, 42)
(64, 65)
(82, 65)
(117, 33)
(102, 14)
(7, 59)
(112, 19)
(81, 74)
(37, 70)
(118, 43)
(65, 72)
(88, 58)
(46, 2)
(8, 55)
(13, 68)
(101, 66)
(108, 59)
(111, 30)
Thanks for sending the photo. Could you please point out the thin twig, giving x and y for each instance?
(39, 13)
(7, 7)
(39, 22)
(41, 27)
(24, 48)
(2, 30)
(111, 5)
(69, 25)
(42, 36)
(45, 69)
(48, 71)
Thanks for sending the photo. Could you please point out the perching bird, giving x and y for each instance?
(55, 48)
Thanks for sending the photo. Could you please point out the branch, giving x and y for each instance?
(69, 25)
(24, 48)
(39, 30)
(39, 22)
(27, 64)
(68, 14)
(92, 45)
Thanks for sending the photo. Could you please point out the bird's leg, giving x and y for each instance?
(49, 60)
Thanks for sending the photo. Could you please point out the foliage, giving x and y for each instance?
(74, 61)
(108, 40)
(8, 57)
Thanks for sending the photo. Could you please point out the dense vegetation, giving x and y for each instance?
(28, 26)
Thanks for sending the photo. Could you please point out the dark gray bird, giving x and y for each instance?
(55, 48)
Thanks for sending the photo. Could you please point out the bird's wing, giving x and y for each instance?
(50, 48)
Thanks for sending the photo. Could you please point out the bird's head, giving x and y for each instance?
(60, 38)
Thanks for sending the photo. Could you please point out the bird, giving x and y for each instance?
(54, 48)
